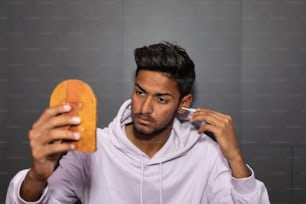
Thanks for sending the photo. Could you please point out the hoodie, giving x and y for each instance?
(188, 169)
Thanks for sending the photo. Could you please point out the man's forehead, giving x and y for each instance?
(156, 82)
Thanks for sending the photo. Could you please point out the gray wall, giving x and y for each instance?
(250, 61)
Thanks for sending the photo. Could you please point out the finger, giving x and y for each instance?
(51, 151)
(60, 121)
(59, 135)
(209, 117)
(208, 127)
(52, 123)
(208, 111)
(56, 148)
(50, 112)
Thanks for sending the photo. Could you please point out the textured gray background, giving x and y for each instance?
(250, 61)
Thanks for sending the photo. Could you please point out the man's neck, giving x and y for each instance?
(150, 145)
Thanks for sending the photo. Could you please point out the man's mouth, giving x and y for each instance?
(143, 119)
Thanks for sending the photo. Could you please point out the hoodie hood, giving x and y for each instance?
(183, 137)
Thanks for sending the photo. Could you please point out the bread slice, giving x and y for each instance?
(83, 101)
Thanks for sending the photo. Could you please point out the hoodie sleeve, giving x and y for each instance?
(249, 190)
(13, 195)
(224, 188)
(64, 185)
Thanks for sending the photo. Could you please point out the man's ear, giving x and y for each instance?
(186, 102)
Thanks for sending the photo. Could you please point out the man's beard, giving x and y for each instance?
(149, 134)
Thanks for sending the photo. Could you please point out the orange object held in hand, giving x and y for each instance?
(82, 99)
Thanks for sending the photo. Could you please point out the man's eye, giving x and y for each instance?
(162, 100)
(138, 92)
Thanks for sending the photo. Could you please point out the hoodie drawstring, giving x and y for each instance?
(141, 180)
(160, 183)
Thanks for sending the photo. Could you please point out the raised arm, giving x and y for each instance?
(46, 144)
(222, 127)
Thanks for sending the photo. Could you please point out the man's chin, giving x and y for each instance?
(146, 132)
(143, 131)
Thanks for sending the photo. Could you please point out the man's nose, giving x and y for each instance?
(147, 105)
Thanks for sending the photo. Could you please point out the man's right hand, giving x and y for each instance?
(46, 144)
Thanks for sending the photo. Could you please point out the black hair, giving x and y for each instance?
(170, 59)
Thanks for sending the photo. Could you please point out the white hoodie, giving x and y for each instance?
(188, 169)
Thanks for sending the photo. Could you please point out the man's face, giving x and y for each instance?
(155, 100)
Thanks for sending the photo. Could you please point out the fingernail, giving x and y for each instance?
(76, 135)
(67, 107)
(72, 146)
(76, 119)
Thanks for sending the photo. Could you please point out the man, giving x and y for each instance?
(148, 154)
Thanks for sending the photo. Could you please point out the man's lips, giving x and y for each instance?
(144, 119)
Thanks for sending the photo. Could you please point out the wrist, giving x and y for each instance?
(33, 177)
(239, 168)
(32, 187)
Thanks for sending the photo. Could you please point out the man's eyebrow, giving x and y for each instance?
(157, 94)
(138, 86)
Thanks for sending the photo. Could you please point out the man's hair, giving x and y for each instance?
(169, 59)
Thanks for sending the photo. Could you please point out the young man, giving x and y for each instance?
(148, 153)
